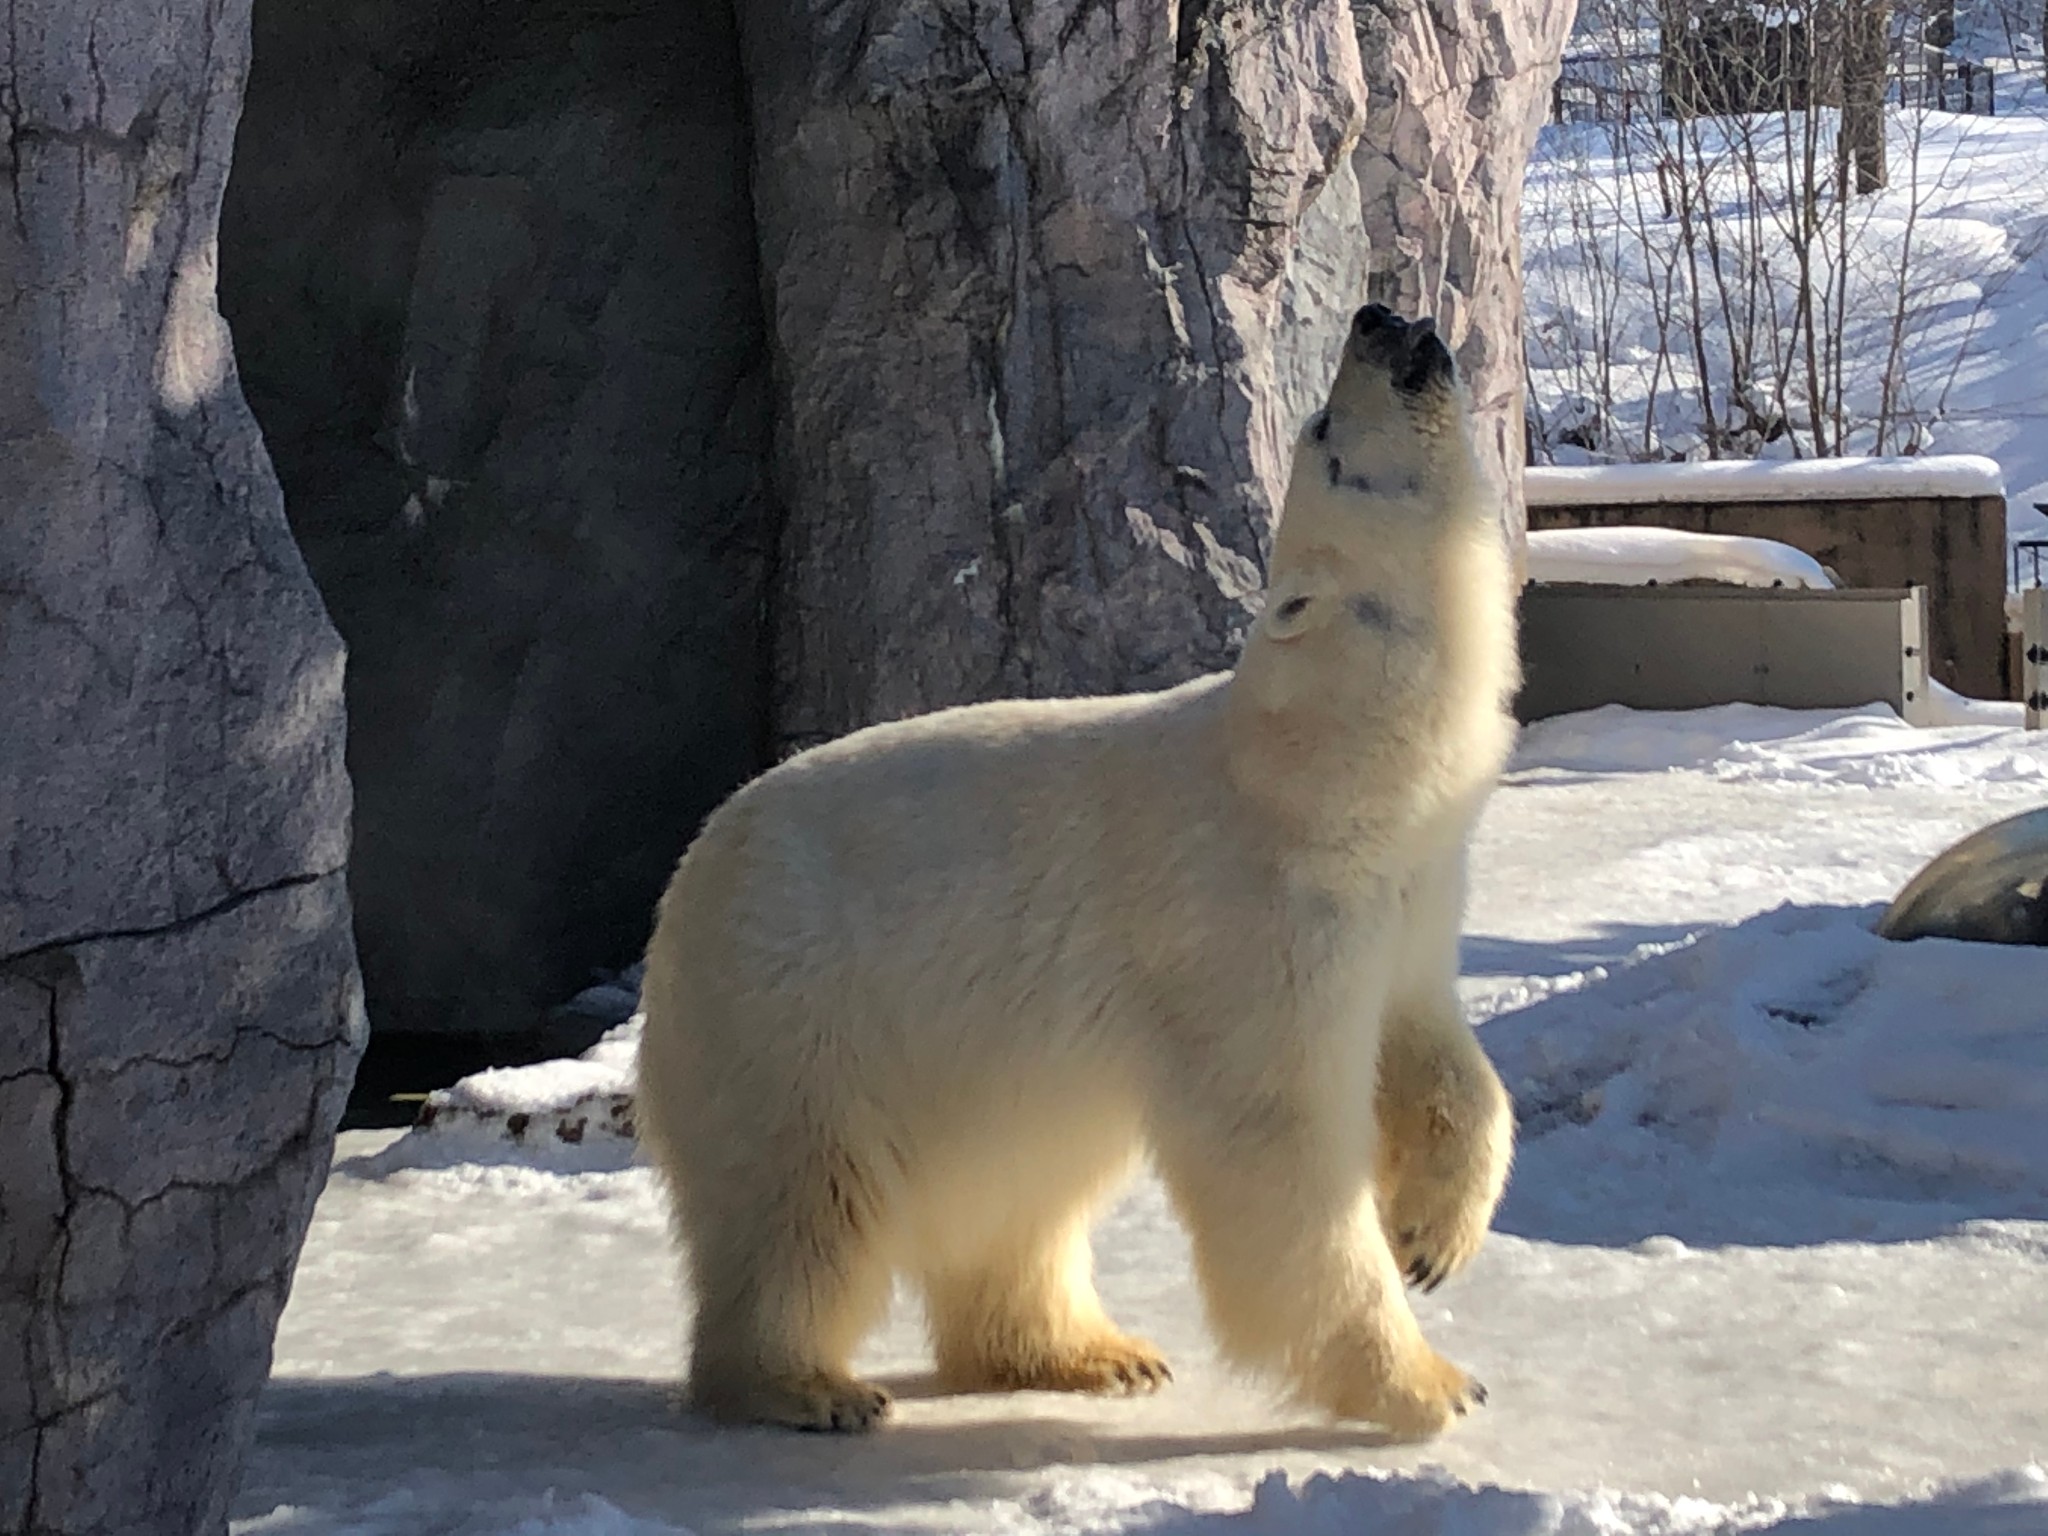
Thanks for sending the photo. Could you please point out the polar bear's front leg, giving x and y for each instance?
(1446, 1138)
(1446, 1125)
(1296, 1271)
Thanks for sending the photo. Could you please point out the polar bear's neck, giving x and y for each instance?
(1383, 726)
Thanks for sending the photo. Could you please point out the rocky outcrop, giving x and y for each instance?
(1053, 283)
(1458, 90)
(491, 273)
(1048, 287)
(1024, 265)
(179, 1010)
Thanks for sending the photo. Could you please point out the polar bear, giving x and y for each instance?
(917, 999)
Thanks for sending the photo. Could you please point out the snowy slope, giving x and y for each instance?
(1775, 1257)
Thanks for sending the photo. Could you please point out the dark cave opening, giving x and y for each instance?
(492, 278)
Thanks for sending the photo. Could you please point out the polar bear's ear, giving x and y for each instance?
(1293, 608)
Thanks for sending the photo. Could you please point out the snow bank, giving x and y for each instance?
(1635, 557)
(1791, 1076)
(1435, 1505)
(409, 1512)
(573, 1114)
(1607, 485)
(1869, 747)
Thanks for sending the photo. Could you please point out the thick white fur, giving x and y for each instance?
(917, 999)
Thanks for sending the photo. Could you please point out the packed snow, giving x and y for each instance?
(1775, 1256)
(1845, 479)
(1634, 557)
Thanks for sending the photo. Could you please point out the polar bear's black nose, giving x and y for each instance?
(1374, 317)
(1410, 350)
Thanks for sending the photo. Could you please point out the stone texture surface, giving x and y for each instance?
(179, 1011)
(1458, 90)
(1025, 262)
(492, 278)
(1049, 285)
(1052, 283)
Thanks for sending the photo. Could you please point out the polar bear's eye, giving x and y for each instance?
(1293, 608)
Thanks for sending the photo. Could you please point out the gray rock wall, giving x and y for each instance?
(1024, 264)
(1459, 89)
(492, 274)
(1031, 298)
(179, 1009)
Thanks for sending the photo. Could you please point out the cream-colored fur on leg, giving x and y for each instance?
(915, 999)
(1446, 1126)
(1027, 1318)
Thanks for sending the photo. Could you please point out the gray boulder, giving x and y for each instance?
(179, 1009)
(1025, 267)
(1458, 90)
(1051, 287)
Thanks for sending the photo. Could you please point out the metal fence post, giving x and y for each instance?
(2034, 655)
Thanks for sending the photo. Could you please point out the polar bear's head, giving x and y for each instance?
(1384, 481)
(1372, 686)
(1395, 422)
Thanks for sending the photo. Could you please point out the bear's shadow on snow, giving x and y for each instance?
(627, 1441)
(1487, 956)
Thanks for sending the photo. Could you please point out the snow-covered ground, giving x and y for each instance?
(1775, 1256)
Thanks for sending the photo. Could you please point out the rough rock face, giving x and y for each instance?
(1458, 90)
(491, 273)
(179, 1010)
(1024, 264)
(1052, 284)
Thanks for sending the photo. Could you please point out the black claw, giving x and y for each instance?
(1479, 1392)
(1436, 1278)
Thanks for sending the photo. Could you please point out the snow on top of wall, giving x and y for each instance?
(1606, 485)
(1634, 557)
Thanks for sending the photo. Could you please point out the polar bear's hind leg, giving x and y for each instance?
(784, 1295)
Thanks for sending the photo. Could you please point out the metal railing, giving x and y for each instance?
(1620, 87)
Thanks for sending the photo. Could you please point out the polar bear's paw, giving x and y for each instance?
(817, 1400)
(1422, 1396)
(1434, 1228)
(1443, 1162)
(1112, 1363)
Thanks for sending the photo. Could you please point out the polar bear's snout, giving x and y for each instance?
(1412, 352)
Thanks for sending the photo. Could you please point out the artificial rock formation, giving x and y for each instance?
(179, 1010)
(1030, 294)
(1052, 283)
(1458, 90)
(1025, 265)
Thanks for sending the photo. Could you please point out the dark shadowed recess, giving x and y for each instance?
(492, 278)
